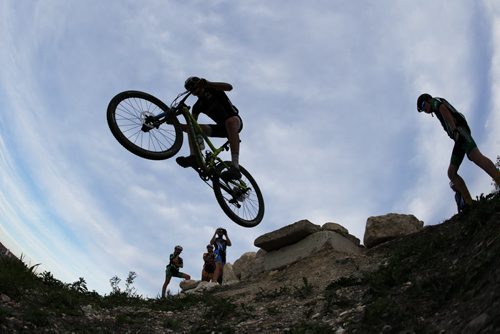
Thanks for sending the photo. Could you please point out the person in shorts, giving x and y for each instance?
(172, 269)
(455, 125)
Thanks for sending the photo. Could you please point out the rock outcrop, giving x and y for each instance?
(380, 229)
(285, 236)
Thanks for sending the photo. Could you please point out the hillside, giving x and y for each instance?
(445, 278)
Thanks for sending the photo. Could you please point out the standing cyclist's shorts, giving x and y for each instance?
(464, 145)
(171, 271)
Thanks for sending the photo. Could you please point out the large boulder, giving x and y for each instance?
(380, 229)
(228, 275)
(285, 236)
(310, 245)
(341, 230)
(188, 284)
(244, 266)
(201, 287)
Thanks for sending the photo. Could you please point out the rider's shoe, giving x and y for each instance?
(189, 161)
(232, 173)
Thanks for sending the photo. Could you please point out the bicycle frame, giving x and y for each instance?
(208, 161)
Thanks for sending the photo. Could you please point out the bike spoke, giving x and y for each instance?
(129, 119)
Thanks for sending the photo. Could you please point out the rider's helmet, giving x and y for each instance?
(190, 83)
(178, 248)
(221, 230)
(421, 99)
(209, 246)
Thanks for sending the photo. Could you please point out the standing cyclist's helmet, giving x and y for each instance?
(178, 248)
(421, 99)
(190, 83)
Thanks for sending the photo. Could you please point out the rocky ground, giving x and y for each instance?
(444, 279)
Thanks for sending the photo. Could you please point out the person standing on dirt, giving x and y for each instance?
(213, 101)
(209, 264)
(172, 269)
(455, 125)
(221, 241)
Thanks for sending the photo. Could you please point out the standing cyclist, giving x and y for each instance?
(172, 269)
(213, 101)
(456, 127)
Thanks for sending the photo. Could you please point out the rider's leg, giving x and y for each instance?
(190, 160)
(233, 125)
(485, 164)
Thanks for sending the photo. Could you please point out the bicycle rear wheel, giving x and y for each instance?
(241, 200)
(129, 117)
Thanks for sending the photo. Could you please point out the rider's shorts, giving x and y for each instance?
(464, 145)
(172, 272)
(219, 130)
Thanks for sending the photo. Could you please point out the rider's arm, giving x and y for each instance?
(218, 85)
(212, 241)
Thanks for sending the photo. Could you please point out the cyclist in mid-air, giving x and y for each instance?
(456, 127)
(213, 101)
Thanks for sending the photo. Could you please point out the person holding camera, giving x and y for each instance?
(220, 241)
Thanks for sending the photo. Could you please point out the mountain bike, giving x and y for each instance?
(147, 127)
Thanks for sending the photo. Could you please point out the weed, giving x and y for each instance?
(303, 291)
(219, 308)
(172, 324)
(36, 315)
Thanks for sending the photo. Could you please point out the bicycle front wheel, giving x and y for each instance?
(241, 200)
(129, 118)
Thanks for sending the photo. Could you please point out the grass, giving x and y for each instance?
(44, 297)
(428, 270)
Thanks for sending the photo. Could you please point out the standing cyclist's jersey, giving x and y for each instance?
(458, 117)
(216, 105)
(172, 265)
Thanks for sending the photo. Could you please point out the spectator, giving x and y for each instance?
(209, 264)
(172, 269)
(220, 243)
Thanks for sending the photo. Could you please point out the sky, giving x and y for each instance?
(326, 89)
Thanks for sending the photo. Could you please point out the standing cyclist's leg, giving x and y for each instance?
(457, 156)
(485, 164)
(165, 284)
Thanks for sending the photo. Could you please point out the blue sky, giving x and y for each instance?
(326, 90)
